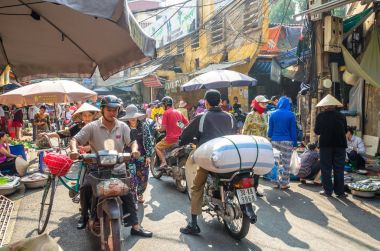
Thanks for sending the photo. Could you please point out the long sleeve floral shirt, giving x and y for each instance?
(256, 124)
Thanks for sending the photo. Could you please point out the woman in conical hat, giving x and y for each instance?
(82, 116)
(329, 101)
(331, 126)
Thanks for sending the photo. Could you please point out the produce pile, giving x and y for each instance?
(26, 143)
(368, 185)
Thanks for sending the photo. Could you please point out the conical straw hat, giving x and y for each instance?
(329, 100)
(85, 107)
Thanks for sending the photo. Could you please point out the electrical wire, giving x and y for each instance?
(176, 4)
(168, 19)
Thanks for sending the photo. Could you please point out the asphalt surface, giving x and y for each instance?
(287, 220)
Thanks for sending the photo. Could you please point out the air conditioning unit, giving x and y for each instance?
(314, 4)
(333, 34)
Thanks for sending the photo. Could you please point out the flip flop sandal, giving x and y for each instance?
(285, 187)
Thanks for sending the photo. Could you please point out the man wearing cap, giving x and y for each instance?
(157, 110)
(331, 126)
(216, 123)
(96, 134)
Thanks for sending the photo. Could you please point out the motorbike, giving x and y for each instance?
(176, 158)
(229, 197)
(106, 213)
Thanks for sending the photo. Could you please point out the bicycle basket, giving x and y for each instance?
(108, 187)
(58, 164)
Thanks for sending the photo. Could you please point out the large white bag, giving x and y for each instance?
(230, 153)
(295, 163)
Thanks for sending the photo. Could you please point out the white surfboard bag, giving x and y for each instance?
(235, 152)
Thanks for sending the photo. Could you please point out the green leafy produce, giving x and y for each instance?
(4, 180)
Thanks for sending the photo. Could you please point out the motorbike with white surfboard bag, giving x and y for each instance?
(229, 191)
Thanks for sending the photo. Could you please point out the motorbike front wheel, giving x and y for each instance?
(112, 234)
(238, 228)
(153, 167)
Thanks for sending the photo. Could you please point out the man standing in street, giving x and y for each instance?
(332, 128)
(216, 123)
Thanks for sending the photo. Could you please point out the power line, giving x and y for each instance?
(168, 19)
(176, 4)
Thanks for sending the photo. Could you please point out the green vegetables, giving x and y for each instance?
(5, 180)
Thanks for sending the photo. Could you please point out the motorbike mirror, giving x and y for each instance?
(109, 144)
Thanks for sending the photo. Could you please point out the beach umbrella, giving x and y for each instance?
(50, 92)
(219, 79)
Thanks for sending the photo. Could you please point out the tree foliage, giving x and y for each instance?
(282, 11)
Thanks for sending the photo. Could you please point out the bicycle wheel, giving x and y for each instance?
(46, 204)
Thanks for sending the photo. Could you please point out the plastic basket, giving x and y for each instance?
(58, 164)
(112, 186)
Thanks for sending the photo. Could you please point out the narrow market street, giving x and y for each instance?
(287, 220)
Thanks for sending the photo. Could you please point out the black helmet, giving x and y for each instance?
(167, 101)
(110, 101)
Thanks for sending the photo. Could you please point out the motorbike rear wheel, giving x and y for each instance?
(153, 167)
(112, 234)
(238, 228)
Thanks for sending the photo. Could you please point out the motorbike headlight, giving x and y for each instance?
(108, 160)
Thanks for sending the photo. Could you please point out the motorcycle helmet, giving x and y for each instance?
(110, 101)
(167, 101)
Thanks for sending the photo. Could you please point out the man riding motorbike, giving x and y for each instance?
(216, 123)
(172, 122)
(96, 133)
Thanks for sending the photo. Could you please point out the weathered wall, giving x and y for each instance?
(236, 46)
(372, 111)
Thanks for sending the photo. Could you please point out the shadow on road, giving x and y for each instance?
(74, 240)
(165, 199)
(361, 219)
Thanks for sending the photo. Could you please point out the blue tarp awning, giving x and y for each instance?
(261, 67)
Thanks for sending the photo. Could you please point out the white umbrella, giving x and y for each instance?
(218, 79)
(58, 91)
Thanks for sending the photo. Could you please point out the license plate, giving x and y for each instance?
(247, 195)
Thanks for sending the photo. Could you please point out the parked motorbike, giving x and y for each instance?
(229, 197)
(106, 213)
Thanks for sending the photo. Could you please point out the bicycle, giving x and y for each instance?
(58, 174)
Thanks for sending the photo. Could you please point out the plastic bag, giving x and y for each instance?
(295, 163)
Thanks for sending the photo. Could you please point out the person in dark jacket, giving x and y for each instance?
(216, 123)
(283, 133)
(332, 128)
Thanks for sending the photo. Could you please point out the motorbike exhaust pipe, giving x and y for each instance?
(248, 211)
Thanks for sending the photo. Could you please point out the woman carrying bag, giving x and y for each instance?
(139, 168)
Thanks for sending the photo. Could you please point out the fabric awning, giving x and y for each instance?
(102, 91)
(261, 67)
(221, 66)
(123, 89)
(145, 72)
(369, 67)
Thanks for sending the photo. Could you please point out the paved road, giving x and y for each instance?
(288, 220)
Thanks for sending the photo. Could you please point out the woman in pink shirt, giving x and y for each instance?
(7, 160)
